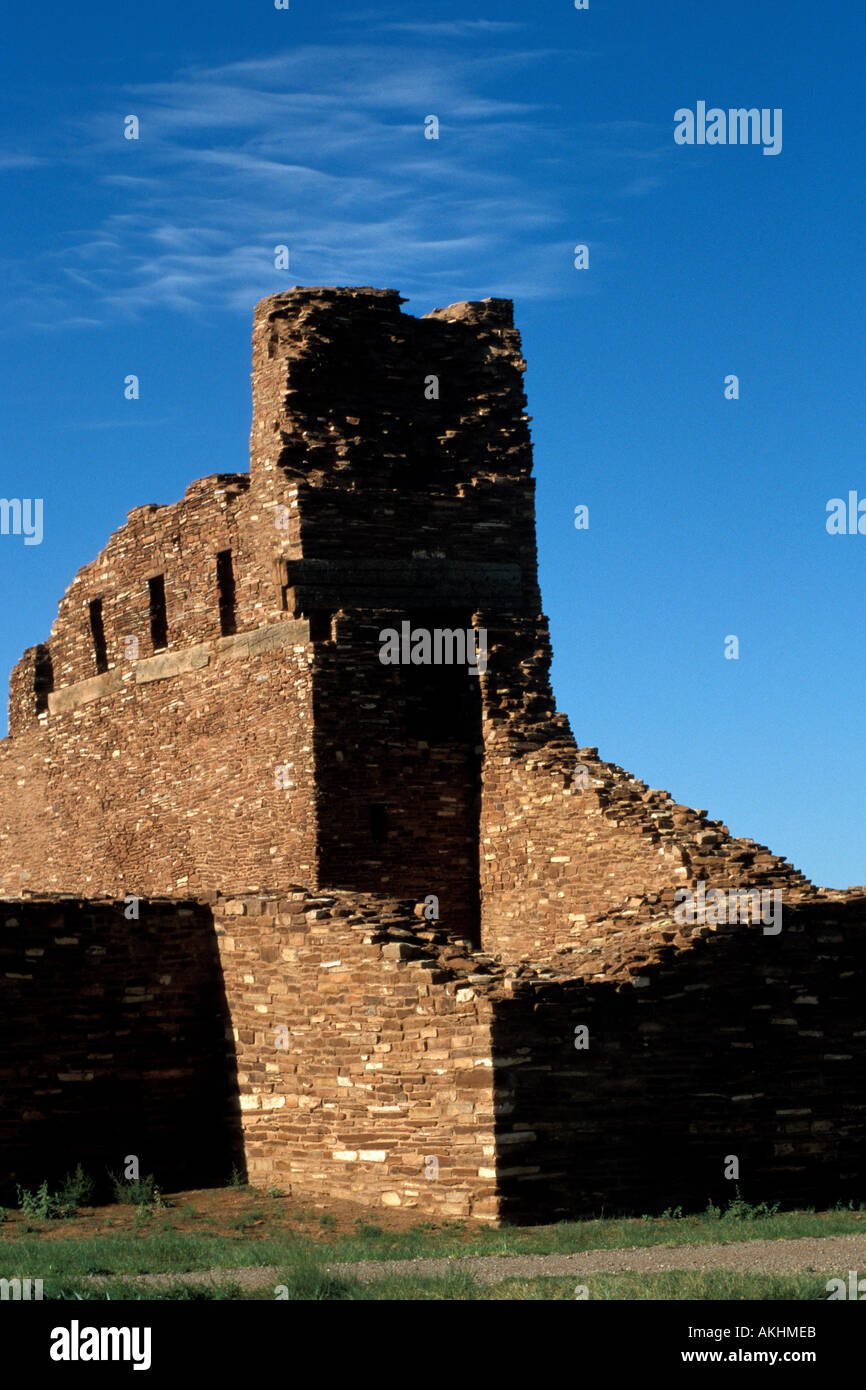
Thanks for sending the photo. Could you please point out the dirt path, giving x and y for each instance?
(820, 1255)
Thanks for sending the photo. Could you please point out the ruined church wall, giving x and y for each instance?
(387, 1059)
(113, 1043)
(150, 762)
(179, 542)
(550, 856)
(740, 1045)
(325, 1043)
(167, 783)
(551, 860)
(566, 837)
(390, 466)
(399, 786)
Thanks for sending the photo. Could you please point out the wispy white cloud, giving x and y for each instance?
(10, 160)
(638, 188)
(455, 28)
(322, 149)
(127, 421)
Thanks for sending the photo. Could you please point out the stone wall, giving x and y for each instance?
(399, 788)
(343, 408)
(730, 1044)
(168, 775)
(380, 1090)
(340, 1045)
(179, 542)
(145, 736)
(113, 1042)
(243, 737)
(567, 838)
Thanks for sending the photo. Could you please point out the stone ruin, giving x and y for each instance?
(384, 932)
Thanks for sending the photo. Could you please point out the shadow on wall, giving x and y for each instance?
(746, 1046)
(114, 1041)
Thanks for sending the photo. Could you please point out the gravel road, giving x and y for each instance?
(821, 1255)
(827, 1254)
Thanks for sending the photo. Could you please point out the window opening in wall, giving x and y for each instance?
(320, 625)
(442, 703)
(226, 586)
(158, 620)
(97, 632)
(379, 822)
(43, 676)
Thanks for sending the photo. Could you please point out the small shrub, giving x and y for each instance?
(738, 1209)
(42, 1204)
(305, 1280)
(327, 1220)
(77, 1189)
(241, 1223)
(237, 1178)
(200, 1293)
(156, 1203)
(364, 1228)
(136, 1192)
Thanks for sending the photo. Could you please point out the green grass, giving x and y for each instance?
(682, 1285)
(571, 1237)
(306, 1283)
(170, 1241)
(44, 1205)
(128, 1253)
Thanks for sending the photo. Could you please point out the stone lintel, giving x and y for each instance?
(176, 663)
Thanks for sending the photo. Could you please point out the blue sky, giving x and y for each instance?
(305, 127)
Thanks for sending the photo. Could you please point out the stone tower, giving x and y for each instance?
(398, 450)
(211, 730)
(219, 664)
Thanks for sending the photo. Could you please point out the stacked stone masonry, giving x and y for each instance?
(209, 733)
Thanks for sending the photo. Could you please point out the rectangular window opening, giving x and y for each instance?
(378, 823)
(443, 702)
(158, 619)
(226, 586)
(320, 625)
(43, 676)
(97, 632)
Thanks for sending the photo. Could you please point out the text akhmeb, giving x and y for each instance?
(735, 127)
